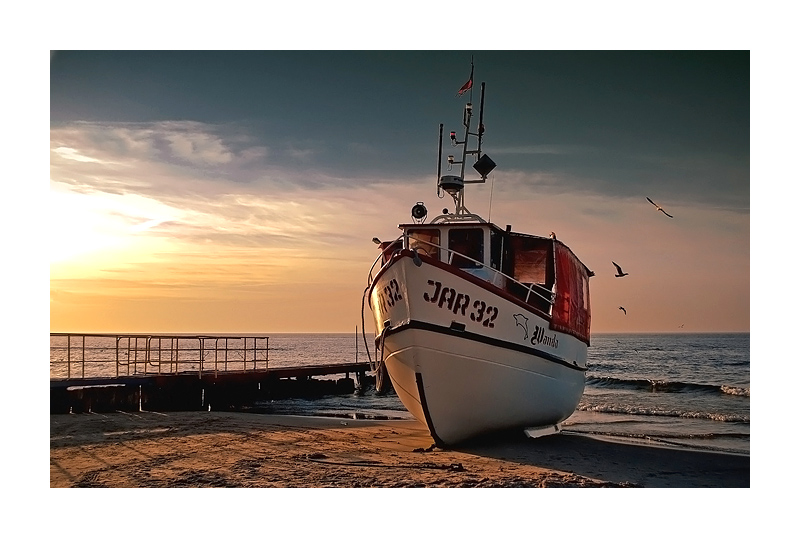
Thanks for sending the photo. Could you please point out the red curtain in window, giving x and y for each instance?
(571, 312)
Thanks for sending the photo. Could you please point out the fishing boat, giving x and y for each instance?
(480, 328)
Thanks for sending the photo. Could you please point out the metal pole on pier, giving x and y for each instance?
(216, 354)
(135, 354)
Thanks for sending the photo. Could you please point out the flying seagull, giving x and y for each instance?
(658, 207)
(619, 271)
(623, 311)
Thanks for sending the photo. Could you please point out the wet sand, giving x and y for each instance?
(242, 450)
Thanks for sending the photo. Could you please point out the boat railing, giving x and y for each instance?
(381, 258)
(497, 277)
(79, 356)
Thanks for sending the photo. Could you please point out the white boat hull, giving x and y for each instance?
(460, 375)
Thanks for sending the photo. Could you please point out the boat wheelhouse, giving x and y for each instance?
(539, 274)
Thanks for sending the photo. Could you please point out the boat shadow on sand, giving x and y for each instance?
(634, 464)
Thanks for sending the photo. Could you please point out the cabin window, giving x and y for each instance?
(497, 242)
(426, 241)
(469, 242)
(530, 260)
(532, 263)
(530, 266)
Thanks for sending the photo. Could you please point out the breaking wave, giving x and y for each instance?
(658, 385)
(643, 411)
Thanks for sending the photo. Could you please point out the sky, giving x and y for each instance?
(238, 191)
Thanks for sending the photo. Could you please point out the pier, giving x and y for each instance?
(131, 372)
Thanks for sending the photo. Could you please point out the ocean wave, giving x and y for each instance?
(736, 391)
(630, 410)
(687, 441)
(660, 385)
(738, 363)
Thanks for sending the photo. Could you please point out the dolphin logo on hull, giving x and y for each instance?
(522, 321)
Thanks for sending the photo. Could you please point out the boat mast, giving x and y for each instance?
(454, 184)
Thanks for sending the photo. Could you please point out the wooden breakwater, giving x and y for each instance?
(103, 373)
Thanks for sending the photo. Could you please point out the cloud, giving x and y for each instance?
(198, 148)
(713, 180)
(542, 149)
(74, 155)
(189, 186)
(300, 154)
(186, 143)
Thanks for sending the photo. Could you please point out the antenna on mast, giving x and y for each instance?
(439, 171)
(454, 184)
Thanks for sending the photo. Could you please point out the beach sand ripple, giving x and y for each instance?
(245, 450)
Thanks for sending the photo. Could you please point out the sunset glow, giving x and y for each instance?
(223, 212)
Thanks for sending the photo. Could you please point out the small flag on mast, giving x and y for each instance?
(468, 84)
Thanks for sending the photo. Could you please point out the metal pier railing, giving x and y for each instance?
(179, 372)
(82, 355)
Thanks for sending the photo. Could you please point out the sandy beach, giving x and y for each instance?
(244, 450)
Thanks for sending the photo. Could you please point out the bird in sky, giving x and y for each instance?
(623, 311)
(659, 208)
(619, 271)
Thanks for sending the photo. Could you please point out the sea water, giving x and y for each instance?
(678, 389)
(682, 389)
(675, 389)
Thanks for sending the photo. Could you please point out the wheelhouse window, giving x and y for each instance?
(532, 264)
(426, 241)
(466, 241)
(530, 261)
(496, 253)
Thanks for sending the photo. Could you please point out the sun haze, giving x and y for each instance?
(224, 191)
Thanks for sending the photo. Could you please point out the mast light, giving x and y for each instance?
(419, 212)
